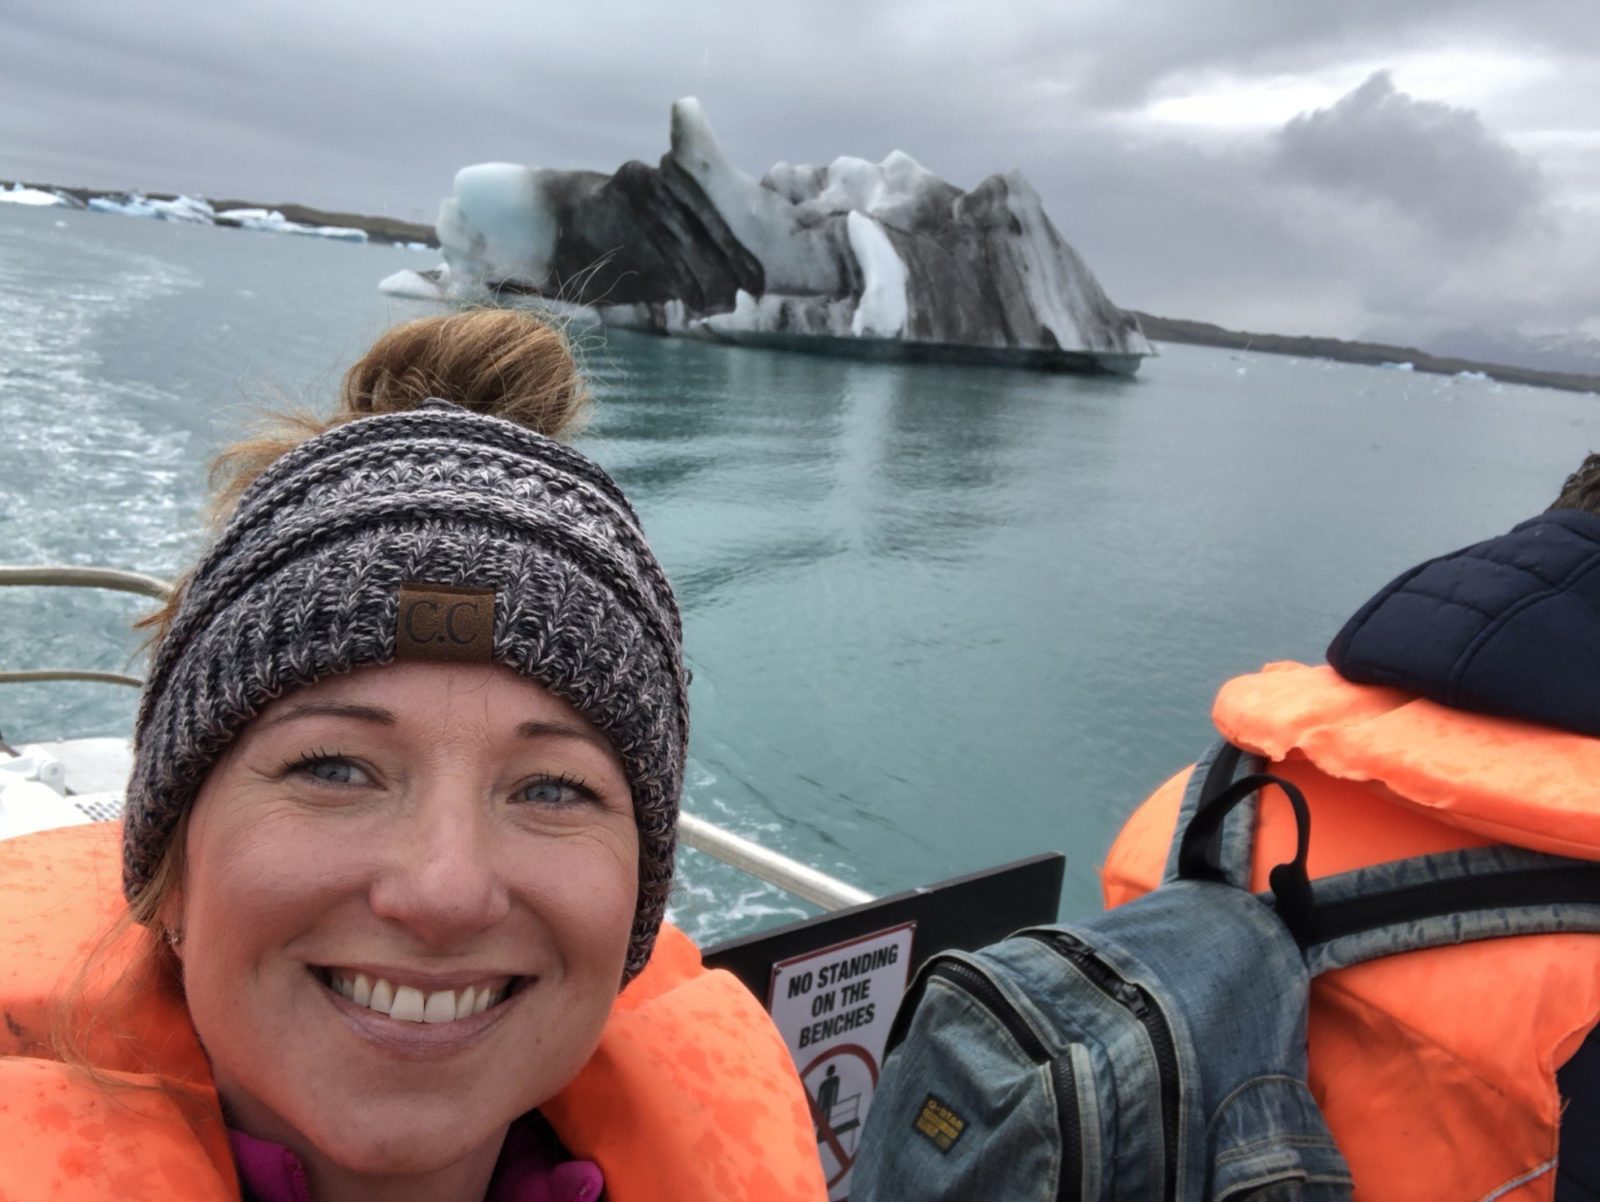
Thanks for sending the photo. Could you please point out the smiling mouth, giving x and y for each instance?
(406, 1003)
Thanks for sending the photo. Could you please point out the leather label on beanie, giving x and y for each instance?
(440, 621)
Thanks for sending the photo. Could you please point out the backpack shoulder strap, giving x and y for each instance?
(1384, 909)
(1232, 847)
(1447, 898)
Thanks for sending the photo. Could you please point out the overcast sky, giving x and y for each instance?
(1352, 168)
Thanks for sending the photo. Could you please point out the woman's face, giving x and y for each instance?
(406, 905)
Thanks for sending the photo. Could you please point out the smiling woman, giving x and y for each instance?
(400, 827)
(443, 864)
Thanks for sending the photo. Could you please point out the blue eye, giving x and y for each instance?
(329, 769)
(556, 791)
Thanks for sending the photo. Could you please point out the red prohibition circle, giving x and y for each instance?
(842, 1049)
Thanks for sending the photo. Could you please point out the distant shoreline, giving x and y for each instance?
(1373, 354)
(1157, 329)
(390, 230)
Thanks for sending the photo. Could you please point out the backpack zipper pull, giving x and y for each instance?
(1069, 946)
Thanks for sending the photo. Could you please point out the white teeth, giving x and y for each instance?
(440, 1007)
(407, 1003)
(407, 1006)
(382, 996)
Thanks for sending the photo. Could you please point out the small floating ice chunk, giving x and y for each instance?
(1474, 375)
(1408, 366)
(417, 285)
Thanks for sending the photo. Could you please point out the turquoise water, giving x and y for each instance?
(938, 617)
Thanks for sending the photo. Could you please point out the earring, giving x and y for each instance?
(173, 936)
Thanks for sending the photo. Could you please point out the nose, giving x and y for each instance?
(440, 877)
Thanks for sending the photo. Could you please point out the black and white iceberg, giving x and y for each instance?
(855, 257)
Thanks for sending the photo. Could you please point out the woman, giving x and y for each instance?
(400, 826)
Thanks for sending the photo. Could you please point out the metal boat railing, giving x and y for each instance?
(764, 864)
(61, 575)
(110, 578)
(818, 888)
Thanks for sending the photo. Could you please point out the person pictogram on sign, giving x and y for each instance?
(839, 1083)
(833, 1118)
(827, 1097)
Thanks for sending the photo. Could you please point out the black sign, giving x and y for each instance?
(966, 913)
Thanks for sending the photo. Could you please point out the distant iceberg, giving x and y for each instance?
(855, 257)
(187, 209)
(18, 194)
(275, 222)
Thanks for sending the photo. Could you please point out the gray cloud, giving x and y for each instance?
(1434, 162)
(1122, 55)
(351, 105)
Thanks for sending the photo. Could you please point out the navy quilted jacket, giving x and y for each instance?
(1511, 627)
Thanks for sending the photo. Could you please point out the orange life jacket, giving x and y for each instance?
(690, 1096)
(1436, 1069)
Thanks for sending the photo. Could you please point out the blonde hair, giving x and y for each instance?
(507, 363)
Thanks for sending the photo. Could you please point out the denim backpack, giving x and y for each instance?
(1157, 1052)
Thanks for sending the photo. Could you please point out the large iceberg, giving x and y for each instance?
(855, 257)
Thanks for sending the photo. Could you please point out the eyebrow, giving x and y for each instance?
(379, 716)
(537, 730)
(334, 709)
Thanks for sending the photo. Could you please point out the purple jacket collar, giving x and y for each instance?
(533, 1167)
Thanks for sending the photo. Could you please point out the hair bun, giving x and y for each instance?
(502, 362)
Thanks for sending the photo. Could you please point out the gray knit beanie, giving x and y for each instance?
(434, 533)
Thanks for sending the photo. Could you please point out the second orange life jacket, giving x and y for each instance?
(1436, 1070)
